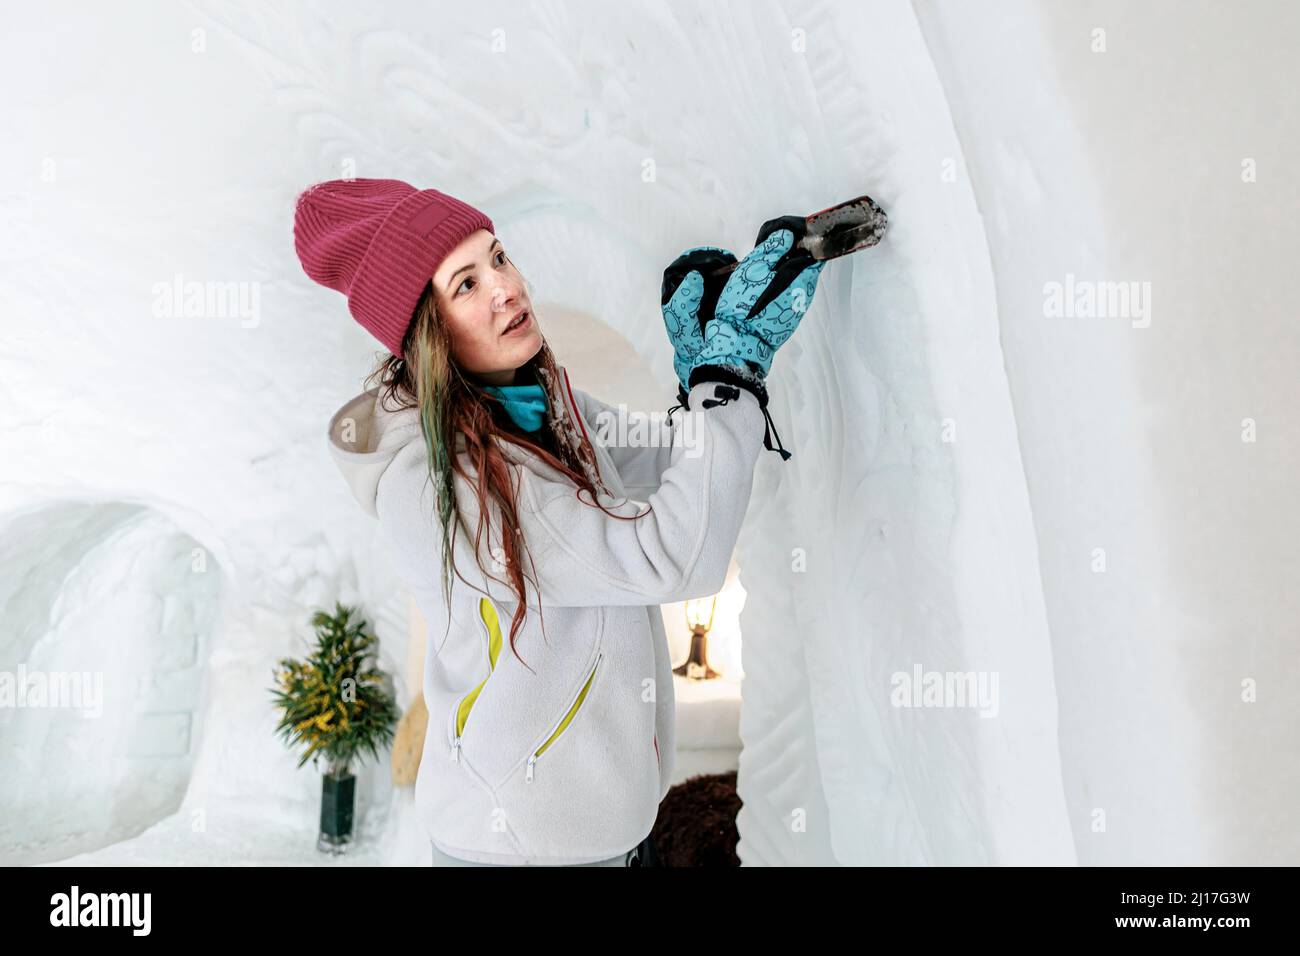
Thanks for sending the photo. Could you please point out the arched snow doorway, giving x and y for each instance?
(108, 608)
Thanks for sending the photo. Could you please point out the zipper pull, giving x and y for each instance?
(531, 760)
(455, 750)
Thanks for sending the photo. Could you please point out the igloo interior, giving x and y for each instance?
(1067, 503)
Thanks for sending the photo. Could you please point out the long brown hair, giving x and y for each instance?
(429, 379)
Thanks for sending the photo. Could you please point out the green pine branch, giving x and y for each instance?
(333, 704)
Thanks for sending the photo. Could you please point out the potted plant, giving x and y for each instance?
(335, 705)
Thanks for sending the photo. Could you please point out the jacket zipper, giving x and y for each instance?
(563, 725)
(483, 607)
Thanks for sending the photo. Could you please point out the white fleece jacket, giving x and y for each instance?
(507, 788)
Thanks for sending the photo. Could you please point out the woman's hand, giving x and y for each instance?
(688, 303)
(754, 315)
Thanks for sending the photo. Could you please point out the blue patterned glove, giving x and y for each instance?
(683, 301)
(759, 308)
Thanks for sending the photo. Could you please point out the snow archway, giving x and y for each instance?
(109, 609)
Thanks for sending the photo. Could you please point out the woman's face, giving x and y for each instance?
(478, 292)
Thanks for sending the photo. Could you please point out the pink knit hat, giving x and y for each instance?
(378, 241)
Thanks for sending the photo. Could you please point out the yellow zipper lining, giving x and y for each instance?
(493, 625)
(569, 716)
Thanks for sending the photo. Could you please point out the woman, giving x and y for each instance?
(550, 696)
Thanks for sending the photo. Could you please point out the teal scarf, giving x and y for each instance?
(526, 404)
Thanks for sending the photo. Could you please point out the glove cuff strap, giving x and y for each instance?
(739, 375)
